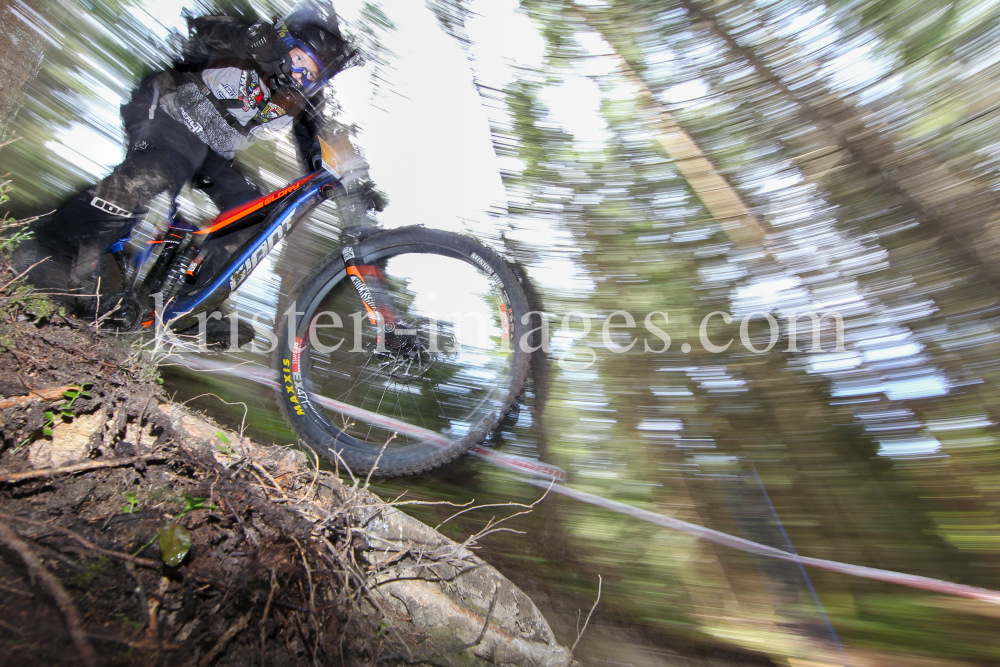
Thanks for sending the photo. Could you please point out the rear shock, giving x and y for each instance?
(169, 269)
(178, 269)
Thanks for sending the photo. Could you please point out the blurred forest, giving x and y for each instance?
(772, 157)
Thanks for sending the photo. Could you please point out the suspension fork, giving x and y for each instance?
(370, 284)
(367, 279)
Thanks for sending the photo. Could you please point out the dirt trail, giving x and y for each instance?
(286, 564)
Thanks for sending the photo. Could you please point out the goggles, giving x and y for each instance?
(310, 86)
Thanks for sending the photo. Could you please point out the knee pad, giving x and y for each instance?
(142, 176)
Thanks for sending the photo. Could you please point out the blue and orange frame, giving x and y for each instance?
(291, 202)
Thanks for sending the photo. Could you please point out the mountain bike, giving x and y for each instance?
(400, 351)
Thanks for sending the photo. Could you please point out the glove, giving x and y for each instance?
(262, 43)
(290, 99)
(375, 200)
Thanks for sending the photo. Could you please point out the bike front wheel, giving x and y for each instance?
(412, 394)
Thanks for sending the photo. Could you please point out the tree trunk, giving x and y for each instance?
(716, 193)
(923, 188)
(25, 33)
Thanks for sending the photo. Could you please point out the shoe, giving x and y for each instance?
(218, 331)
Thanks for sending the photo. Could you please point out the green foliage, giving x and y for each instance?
(64, 412)
(451, 15)
(927, 29)
(175, 539)
(368, 39)
(638, 232)
(13, 232)
(175, 542)
(131, 500)
(192, 503)
(224, 443)
(787, 109)
(17, 296)
(101, 50)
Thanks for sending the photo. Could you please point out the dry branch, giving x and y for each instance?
(226, 637)
(600, 584)
(80, 467)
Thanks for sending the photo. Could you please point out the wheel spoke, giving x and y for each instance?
(428, 399)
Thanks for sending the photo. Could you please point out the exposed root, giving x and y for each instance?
(55, 589)
(78, 467)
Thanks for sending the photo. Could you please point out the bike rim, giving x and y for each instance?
(438, 389)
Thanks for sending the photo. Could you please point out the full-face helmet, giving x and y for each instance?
(312, 29)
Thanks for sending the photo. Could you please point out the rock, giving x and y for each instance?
(70, 442)
(445, 593)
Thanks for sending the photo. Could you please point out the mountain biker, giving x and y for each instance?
(236, 83)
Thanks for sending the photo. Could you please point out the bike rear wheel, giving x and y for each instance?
(414, 401)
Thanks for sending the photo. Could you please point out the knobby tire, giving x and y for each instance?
(328, 398)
